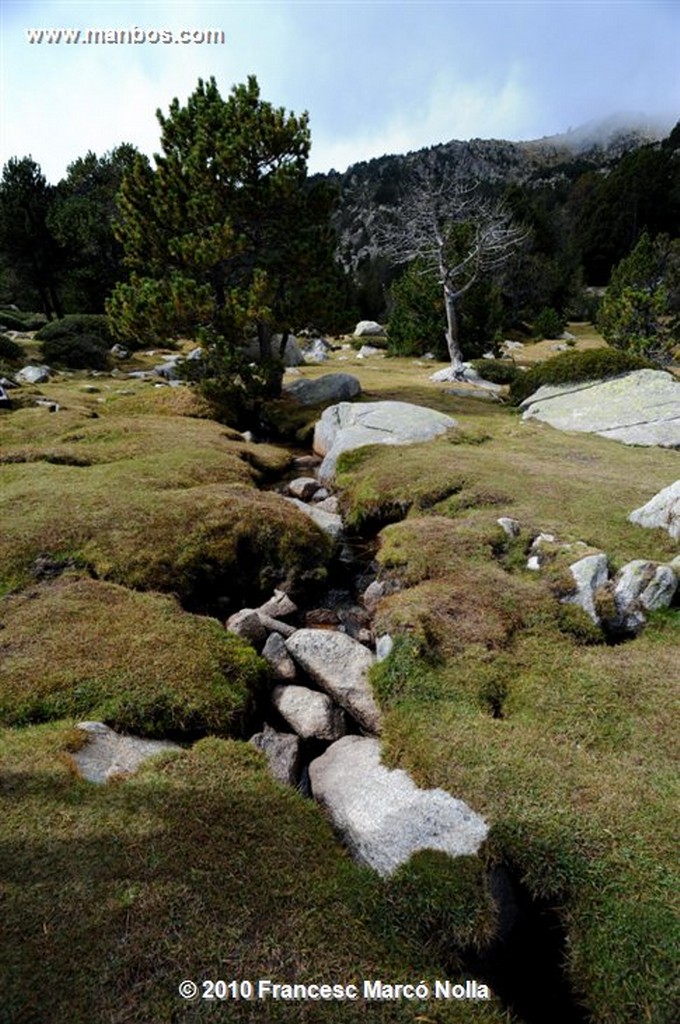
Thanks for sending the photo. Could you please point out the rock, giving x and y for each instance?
(306, 461)
(344, 427)
(368, 350)
(5, 401)
(311, 714)
(382, 815)
(108, 753)
(303, 487)
(282, 751)
(276, 653)
(275, 625)
(510, 526)
(329, 522)
(642, 586)
(7, 382)
(317, 352)
(372, 596)
(512, 346)
(537, 550)
(329, 504)
(332, 387)
(383, 647)
(641, 408)
(340, 666)
(247, 624)
(167, 370)
(661, 512)
(590, 573)
(368, 328)
(279, 606)
(470, 392)
(320, 494)
(45, 403)
(119, 351)
(34, 375)
(292, 353)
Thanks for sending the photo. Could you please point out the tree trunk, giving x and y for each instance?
(457, 369)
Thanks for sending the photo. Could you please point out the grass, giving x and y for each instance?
(198, 867)
(142, 664)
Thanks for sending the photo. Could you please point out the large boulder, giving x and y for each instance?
(340, 666)
(661, 512)
(34, 375)
(382, 815)
(107, 754)
(641, 408)
(332, 387)
(343, 427)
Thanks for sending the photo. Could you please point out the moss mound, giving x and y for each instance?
(573, 367)
(82, 648)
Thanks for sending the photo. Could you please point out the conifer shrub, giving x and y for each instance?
(10, 351)
(498, 371)
(77, 342)
(549, 323)
(573, 367)
(15, 320)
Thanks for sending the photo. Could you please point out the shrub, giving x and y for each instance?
(498, 371)
(10, 351)
(571, 367)
(15, 320)
(79, 342)
(549, 323)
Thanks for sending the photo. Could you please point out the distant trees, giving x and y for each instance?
(29, 253)
(225, 236)
(457, 236)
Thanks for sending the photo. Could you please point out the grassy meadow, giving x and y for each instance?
(129, 511)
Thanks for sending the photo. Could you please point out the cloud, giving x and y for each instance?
(482, 108)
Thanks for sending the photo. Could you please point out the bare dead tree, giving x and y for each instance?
(454, 233)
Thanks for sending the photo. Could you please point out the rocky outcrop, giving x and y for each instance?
(641, 408)
(382, 815)
(332, 387)
(339, 665)
(108, 754)
(344, 427)
(661, 512)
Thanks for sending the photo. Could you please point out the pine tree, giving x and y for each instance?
(225, 235)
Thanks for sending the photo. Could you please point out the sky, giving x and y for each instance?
(376, 77)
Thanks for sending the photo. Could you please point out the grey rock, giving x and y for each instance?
(329, 504)
(641, 408)
(292, 353)
(34, 375)
(642, 586)
(329, 522)
(590, 573)
(119, 351)
(344, 427)
(320, 495)
(383, 647)
(368, 328)
(276, 653)
(303, 487)
(368, 350)
(661, 512)
(280, 606)
(282, 751)
(340, 666)
(7, 382)
(167, 370)
(382, 815)
(510, 526)
(372, 596)
(275, 625)
(317, 352)
(108, 754)
(312, 715)
(332, 387)
(247, 624)
(5, 401)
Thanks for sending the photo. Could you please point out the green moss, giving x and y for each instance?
(87, 649)
(200, 866)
